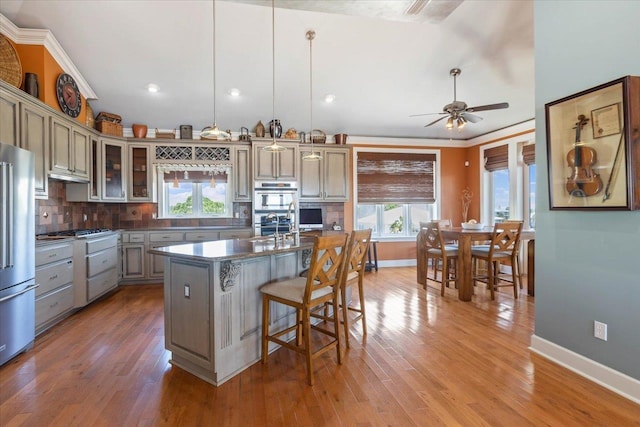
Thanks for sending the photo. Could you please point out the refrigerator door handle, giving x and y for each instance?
(6, 214)
(24, 291)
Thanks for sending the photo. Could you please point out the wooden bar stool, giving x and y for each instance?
(321, 285)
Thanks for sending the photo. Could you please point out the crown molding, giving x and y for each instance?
(30, 36)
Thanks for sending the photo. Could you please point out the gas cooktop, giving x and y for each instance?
(72, 233)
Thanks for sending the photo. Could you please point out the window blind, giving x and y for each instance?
(529, 154)
(396, 177)
(496, 158)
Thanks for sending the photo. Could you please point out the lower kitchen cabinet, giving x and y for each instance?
(98, 273)
(138, 266)
(54, 274)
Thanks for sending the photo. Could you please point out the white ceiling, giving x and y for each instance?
(380, 69)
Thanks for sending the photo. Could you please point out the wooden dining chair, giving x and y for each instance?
(503, 248)
(354, 274)
(439, 251)
(452, 244)
(304, 294)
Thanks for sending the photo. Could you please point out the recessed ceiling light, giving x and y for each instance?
(234, 92)
(153, 88)
(329, 98)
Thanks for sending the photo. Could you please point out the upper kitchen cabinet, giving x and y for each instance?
(108, 173)
(34, 136)
(275, 166)
(242, 174)
(112, 170)
(9, 118)
(69, 151)
(327, 179)
(140, 180)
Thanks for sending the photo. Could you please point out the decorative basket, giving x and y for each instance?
(318, 136)
(166, 135)
(108, 117)
(109, 128)
(10, 67)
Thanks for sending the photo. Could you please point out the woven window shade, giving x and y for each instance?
(496, 158)
(529, 154)
(396, 177)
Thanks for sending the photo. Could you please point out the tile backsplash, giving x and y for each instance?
(56, 214)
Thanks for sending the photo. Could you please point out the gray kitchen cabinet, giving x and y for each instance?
(275, 166)
(161, 238)
(113, 170)
(242, 174)
(34, 136)
(54, 275)
(9, 118)
(69, 151)
(140, 183)
(327, 179)
(133, 261)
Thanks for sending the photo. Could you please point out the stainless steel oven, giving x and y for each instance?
(274, 198)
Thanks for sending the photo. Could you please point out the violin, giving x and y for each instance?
(583, 181)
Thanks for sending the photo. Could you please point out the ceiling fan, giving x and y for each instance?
(457, 112)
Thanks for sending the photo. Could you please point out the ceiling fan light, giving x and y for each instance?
(450, 123)
(461, 122)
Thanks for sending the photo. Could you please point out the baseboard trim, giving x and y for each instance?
(615, 381)
(397, 263)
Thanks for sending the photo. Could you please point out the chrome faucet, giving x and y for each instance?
(293, 229)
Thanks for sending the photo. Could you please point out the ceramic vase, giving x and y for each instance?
(31, 84)
(139, 131)
(259, 130)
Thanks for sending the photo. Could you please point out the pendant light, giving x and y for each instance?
(212, 132)
(175, 180)
(274, 147)
(312, 156)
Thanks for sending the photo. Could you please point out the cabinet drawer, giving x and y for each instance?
(100, 243)
(101, 283)
(54, 304)
(200, 236)
(52, 253)
(136, 238)
(235, 234)
(53, 275)
(173, 236)
(101, 261)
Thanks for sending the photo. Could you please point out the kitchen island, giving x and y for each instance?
(212, 302)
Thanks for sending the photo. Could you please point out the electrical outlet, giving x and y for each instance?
(187, 290)
(600, 330)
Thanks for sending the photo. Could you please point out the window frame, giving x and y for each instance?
(408, 235)
(518, 181)
(163, 208)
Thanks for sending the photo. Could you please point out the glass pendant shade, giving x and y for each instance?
(312, 156)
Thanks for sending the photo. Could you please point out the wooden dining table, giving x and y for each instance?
(465, 240)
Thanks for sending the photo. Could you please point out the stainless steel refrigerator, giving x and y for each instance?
(17, 251)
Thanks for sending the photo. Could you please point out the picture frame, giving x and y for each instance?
(593, 148)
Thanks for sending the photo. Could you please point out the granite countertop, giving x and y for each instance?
(188, 228)
(221, 250)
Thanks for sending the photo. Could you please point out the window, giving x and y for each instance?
(194, 192)
(529, 159)
(508, 182)
(395, 191)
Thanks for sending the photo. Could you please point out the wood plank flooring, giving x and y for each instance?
(427, 361)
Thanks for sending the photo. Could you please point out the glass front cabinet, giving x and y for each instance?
(113, 170)
(140, 188)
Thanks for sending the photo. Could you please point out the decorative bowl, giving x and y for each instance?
(472, 226)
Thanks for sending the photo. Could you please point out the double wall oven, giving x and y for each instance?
(271, 202)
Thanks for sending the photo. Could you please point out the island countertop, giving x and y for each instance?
(224, 250)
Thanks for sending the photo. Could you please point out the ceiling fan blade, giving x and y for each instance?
(488, 107)
(436, 121)
(471, 117)
(426, 114)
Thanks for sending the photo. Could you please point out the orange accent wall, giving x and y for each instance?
(37, 59)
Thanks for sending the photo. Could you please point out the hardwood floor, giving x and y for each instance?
(427, 361)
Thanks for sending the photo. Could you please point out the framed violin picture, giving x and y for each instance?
(593, 148)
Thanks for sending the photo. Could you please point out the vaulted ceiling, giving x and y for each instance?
(381, 63)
